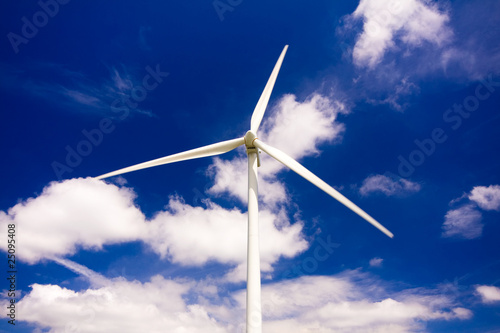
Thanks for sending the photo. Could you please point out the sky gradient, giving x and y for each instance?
(394, 104)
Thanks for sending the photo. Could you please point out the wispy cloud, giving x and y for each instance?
(376, 262)
(95, 279)
(466, 221)
(395, 96)
(388, 186)
(75, 91)
(477, 53)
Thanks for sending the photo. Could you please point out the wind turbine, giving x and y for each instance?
(253, 144)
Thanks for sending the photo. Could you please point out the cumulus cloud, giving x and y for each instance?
(122, 306)
(398, 39)
(76, 213)
(386, 24)
(351, 301)
(489, 294)
(297, 128)
(396, 43)
(231, 178)
(488, 198)
(464, 222)
(389, 187)
(194, 236)
(315, 119)
(88, 214)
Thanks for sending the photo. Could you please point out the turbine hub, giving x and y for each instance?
(250, 136)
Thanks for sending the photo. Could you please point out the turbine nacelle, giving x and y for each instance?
(249, 138)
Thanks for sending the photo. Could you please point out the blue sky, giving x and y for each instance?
(395, 104)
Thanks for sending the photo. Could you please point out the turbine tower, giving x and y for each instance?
(253, 144)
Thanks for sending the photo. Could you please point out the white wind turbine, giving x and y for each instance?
(253, 144)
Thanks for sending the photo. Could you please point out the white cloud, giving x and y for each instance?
(376, 262)
(297, 128)
(464, 222)
(388, 186)
(194, 236)
(388, 23)
(489, 294)
(87, 213)
(122, 306)
(351, 301)
(76, 213)
(393, 49)
(488, 198)
(231, 178)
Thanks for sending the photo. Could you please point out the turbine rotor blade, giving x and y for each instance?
(210, 150)
(298, 168)
(260, 108)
